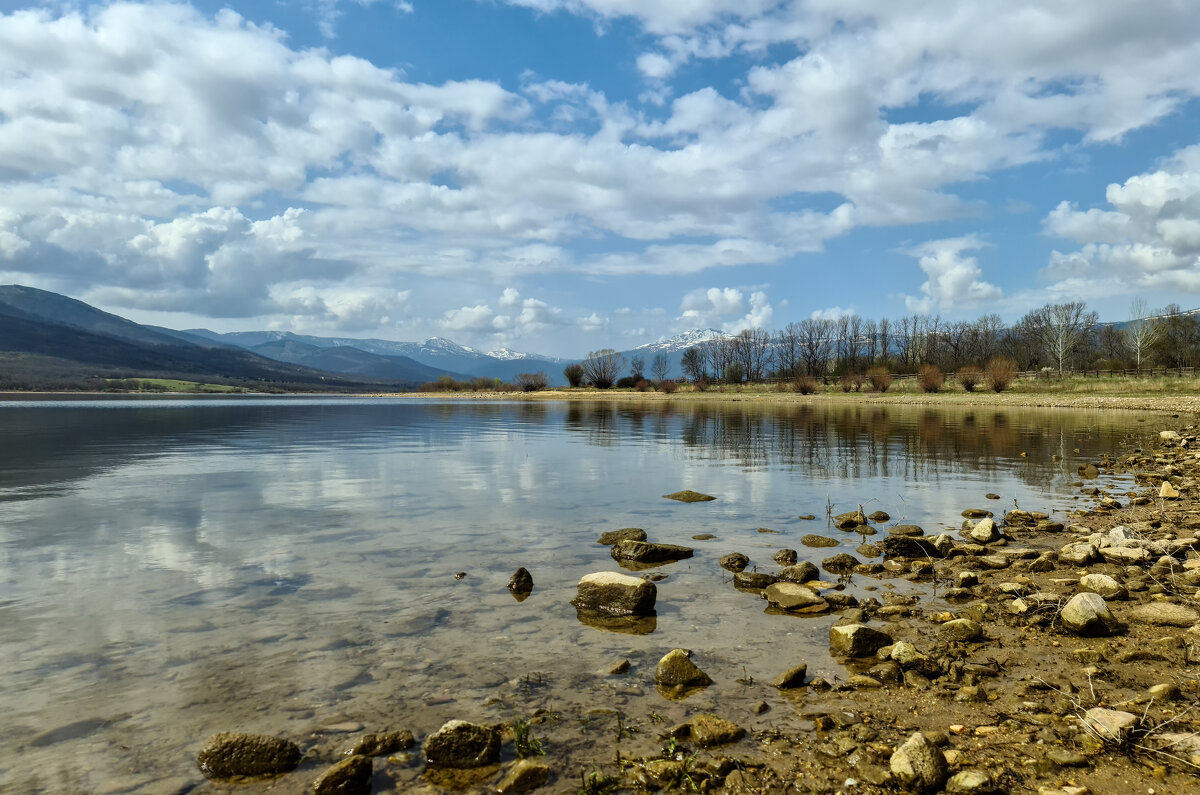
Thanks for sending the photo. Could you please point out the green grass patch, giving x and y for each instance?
(168, 385)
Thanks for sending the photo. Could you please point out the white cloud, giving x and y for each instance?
(954, 282)
(831, 313)
(729, 308)
(476, 318)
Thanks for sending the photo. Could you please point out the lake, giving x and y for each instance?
(291, 566)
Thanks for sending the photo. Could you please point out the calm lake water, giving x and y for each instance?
(174, 568)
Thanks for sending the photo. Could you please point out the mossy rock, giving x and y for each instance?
(233, 754)
(687, 495)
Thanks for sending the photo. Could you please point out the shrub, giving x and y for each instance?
(804, 384)
(532, 382)
(735, 373)
(845, 383)
(574, 374)
(857, 380)
(701, 384)
(930, 378)
(628, 382)
(880, 378)
(667, 386)
(1001, 371)
(642, 385)
(600, 367)
(969, 376)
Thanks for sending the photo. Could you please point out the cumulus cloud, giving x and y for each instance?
(831, 313)
(728, 308)
(954, 281)
(1149, 240)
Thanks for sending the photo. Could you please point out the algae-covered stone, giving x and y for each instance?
(734, 561)
(525, 775)
(785, 557)
(382, 744)
(960, 630)
(624, 534)
(616, 593)
(879, 516)
(676, 669)
(801, 573)
(351, 776)
(906, 530)
(230, 754)
(647, 552)
(792, 677)
(857, 640)
(521, 581)
(919, 764)
(795, 597)
(812, 540)
(687, 495)
(1087, 614)
(840, 563)
(460, 744)
(753, 579)
(709, 730)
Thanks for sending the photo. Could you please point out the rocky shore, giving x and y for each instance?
(1025, 653)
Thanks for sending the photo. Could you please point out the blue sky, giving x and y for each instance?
(563, 175)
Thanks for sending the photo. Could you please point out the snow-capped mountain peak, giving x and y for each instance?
(682, 341)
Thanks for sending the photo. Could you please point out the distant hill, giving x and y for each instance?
(673, 348)
(44, 334)
(351, 361)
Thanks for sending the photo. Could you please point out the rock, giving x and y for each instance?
(811, 540)
(1125, 556)
(698, 537)
(960, 630)
(869, 550)
(785, 557)
(521, 581)
(687, 495)
(230, 754)
(709, 730)
(863, 682)
(1088, 471)
(1111, 725)
(753, 579)
(647, 552)
(795, 597)
(994, 561)
(857, 640)
(1168, 691)
(846, 521)
(459, 744)
(982, 532)
(625, 534)
(1168, 492)
(840, 563)
(524, 776)
(351, 776)
(734, 561)
(676, 669)
(1079, 553)
(887, 672)
(1110, 502)
(791, 678)
(1066, 758)
(1043, 562)
(616, 593)
(918, 764)
(879, 516)
(991, 496)
(1104, 585)
(382, 744)
(911, 547)
(906, 530)
(1168, 436)
(969, 781)
(976, 513)
(1087, 614)
(801, 573)
(967, 579)
(1164, 614)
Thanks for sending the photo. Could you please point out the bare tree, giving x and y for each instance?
(693, 363)
(637, 366)
(870, 333)
(1060, 330)
(601, 368)
(1142, 331)
(787, 351)
(814, 345)
(854, 330)
(660, 366)
(885, 340)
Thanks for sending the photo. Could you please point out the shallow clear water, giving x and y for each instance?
(169, 568)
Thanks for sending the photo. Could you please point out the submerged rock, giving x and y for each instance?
(676, 670)
(753, 579)
(521, 581)
(624, 534)
(647, 552)
(382, 744)
(351, 776)
(785, 557)
(812, 540)
(795, 597)
(460, 744)
(524, 776)
(800, 573)
(906, 530)
(687, 495)
(840, 563)
(230, 754)
(734, 561)
(616, 593)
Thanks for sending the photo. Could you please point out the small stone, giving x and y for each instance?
(616, 593)
(1079, 553)
(792, 677)
(1087, 614)
(846, 521)
(792, 596)
(811, 540)
(753, 579)
(879, 516)
(906, 530)
(624, 534)
(785, 557)
(800, 573)
(1065, 758)
(991, 496)
(1164, 614)
(919, 764)
(524, 776)
(857, 640)
(230, 754)
(734, 561)
(618, 668)
(982, 532)
(649, 552)
(687, 495)
(351, 776)
(863, 682)
(960, 630)
(676, 669)
(968, 579)
(1104, 585)
(840, 563)
(1167, 491)
(1165, 692)
(969, 781)
(459, 744)
(521, 581)
(1111, 725)
(382, 744)
(709, 730)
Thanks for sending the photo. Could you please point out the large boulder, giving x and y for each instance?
(857, 640)
(351, 776)
(676, 669)
(920, 765)
(982, 532)
(616, 593)
(460, 744)
(649, 552)
(794, 597)
(1088, 614)
(230, 754)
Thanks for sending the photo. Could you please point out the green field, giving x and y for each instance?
(168, 385)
